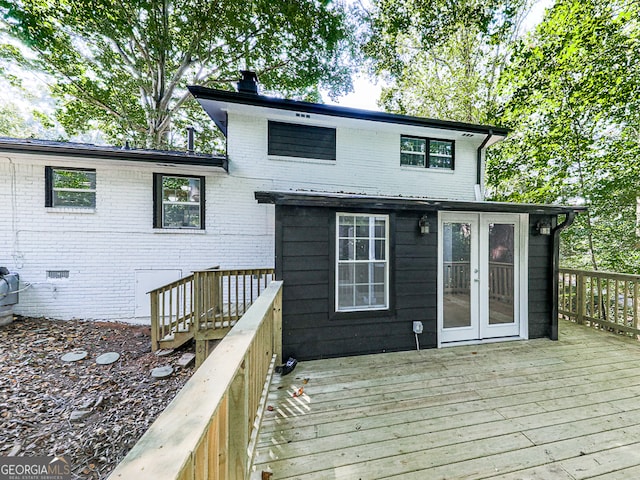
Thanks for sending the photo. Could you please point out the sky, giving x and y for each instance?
(364, 96)
(366, 93)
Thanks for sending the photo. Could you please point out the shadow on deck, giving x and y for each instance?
(533, 409)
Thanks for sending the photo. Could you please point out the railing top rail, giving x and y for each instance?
(601, 274)
(165, 448)
(236, 270)
(175, 283)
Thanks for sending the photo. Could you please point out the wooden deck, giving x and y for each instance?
(518, 410)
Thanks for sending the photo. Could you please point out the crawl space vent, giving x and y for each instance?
(57, 274)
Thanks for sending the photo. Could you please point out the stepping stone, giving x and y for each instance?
(107, 358)
(164, 352)
(162, 372)
(186, 359)
(74, 356)
(78, 415)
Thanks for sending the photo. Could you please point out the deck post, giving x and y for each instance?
(155, 321)
(580, 298)
(277, 327)
(238, 420)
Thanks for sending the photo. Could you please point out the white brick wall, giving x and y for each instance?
(368, 159)
(103, 249)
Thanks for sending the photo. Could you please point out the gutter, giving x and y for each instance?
(555, 266)
(479, 165)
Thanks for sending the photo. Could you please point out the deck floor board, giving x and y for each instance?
(533, 409)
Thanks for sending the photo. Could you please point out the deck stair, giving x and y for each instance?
(203, 306)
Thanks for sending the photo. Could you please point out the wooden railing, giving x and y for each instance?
(205, 300)
(603, 300)
(457, 279)
(209, 430)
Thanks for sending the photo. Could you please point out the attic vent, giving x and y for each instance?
(467, 134)
(57, 274)
(303, 115)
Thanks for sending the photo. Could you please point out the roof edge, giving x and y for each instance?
(380, 202)
(205, 93)
(16, 145)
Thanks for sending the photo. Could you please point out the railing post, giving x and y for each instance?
(580, 298)
(155, 321)
(277, 327)
(238, 422)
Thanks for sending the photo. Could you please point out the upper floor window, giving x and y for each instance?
(362, 273)
(303, 141)
(178, 201)
(427, 152)
(70, 187)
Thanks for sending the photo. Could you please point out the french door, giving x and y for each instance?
(481, 280)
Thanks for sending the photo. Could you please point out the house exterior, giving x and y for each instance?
(338, 200)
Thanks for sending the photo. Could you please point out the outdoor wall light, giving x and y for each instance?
(543, 228)
(423, 223)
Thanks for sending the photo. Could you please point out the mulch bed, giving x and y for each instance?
(39, 391)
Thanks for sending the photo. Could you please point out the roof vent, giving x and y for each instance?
(248, 83)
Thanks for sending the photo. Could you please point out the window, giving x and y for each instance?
(70, 187)
(362, 273)
(427, 152)
(178, 201)
(304, 141)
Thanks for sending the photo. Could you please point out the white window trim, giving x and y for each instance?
(386, 261)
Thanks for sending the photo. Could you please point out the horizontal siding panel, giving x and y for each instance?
(295, 307)
(311, 249)
(304, 263)
(294, 234)
(306, 277)
(306, 292)
(304, 141)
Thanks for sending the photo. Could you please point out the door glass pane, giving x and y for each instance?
(501, 273)
(456, 239)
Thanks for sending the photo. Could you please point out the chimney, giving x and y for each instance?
(248, 83)
(190, 131)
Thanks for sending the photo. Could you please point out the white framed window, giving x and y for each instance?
(70, 187)
(427, 152)
(362, 262)
(178, 202)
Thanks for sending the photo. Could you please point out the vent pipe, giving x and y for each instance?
(248, 82)
(190, 142)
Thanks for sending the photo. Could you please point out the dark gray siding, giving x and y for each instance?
(305, 261)
(304, 141)
(305, 256)
(540, 286)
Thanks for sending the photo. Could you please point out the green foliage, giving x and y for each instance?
(573, 90)
(442, 58)
(124, 66)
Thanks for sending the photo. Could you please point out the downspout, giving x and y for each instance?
(555, 266)
(478, 187)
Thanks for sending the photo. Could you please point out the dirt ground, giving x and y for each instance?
(39, 391)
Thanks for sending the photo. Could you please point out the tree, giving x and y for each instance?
(573, 90)
(124, 66)
(442, 58)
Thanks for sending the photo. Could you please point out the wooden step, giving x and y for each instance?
(175, 340)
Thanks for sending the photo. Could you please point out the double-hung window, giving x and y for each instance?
(178, 201)
(362, 273)
(70, 187)
(427, 152)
